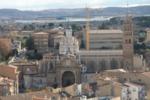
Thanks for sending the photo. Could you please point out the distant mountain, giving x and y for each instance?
(79, 12)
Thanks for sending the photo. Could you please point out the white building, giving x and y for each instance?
(68, 43)
(132, 91)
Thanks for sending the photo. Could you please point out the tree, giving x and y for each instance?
(5, 48)
(34, 55)
(139, 48)
(23, 42)
(115, 21)
(29, 27)
(103, 26)
(51, 25)
(142, 21)
(61, 25)
(29, 43)
(82, 44)
(14, 52)
(76, 27)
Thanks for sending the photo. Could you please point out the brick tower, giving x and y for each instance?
(128, 50)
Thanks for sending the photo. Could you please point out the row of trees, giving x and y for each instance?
(38, 26)
(142, 21)
(28, 27)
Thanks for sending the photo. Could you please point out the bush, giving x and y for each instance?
(33, 55)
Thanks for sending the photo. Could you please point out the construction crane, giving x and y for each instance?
(87, 28)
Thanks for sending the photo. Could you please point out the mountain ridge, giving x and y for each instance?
(74, 12)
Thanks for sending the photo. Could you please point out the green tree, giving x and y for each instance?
(103, 26)
(34, 55)
(76, 27)
(29, 43)
(51, 25)
(82, 45)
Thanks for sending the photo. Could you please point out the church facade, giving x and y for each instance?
(61, 71)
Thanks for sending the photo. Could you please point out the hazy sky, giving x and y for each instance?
(53, 4)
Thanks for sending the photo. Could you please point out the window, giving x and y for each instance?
(129, 40)
(126, 41)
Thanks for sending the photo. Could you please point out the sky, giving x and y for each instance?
(57, 4)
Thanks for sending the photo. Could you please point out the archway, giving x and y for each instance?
(68, 78)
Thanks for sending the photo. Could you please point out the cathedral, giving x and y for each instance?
(114, 51)
(111, 49)
(65, 68)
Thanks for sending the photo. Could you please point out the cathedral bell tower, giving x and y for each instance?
(128, 49)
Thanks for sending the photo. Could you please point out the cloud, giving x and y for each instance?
(47, 4)
(98, 3)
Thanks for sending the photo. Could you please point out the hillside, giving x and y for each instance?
(79, 12)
